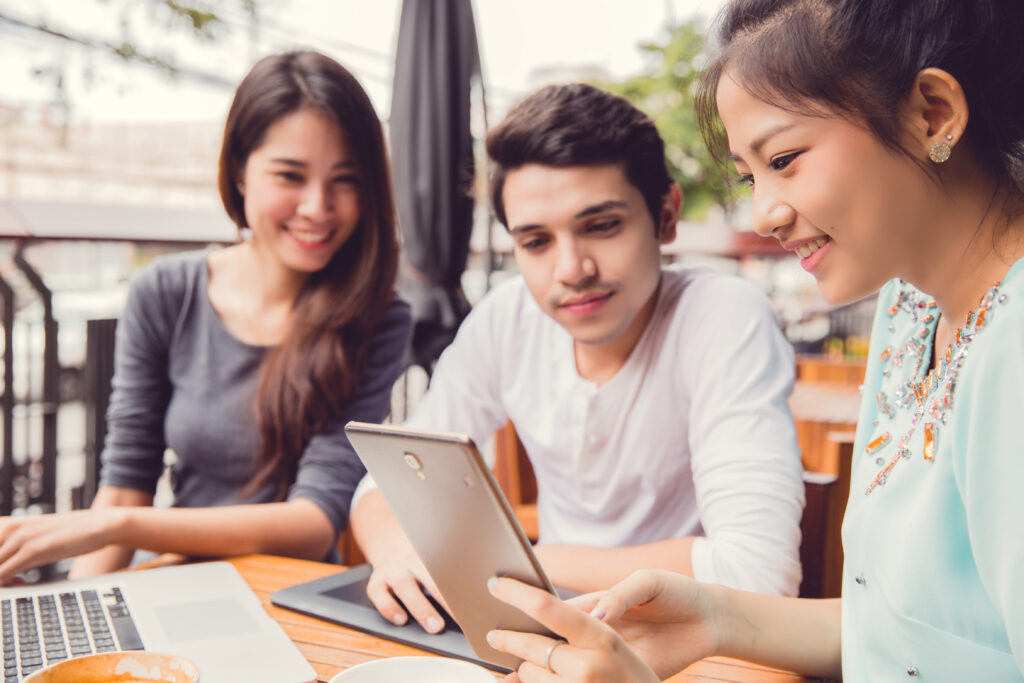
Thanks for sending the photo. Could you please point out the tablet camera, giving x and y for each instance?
(414, 463)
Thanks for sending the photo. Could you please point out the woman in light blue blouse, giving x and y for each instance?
(884, 144)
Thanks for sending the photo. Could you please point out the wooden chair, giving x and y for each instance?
(818, 368)
(821, 550)
(821, 547)
(514, 474)
(97, 375)
(351, 553)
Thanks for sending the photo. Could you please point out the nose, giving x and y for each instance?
(771, 212)
(574, 264)
(316, 203)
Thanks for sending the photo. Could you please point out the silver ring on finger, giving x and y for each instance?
(551, 650)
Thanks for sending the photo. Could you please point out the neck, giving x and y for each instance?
(274, 285)
(972, 242)
(599, 362)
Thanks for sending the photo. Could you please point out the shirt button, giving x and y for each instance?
(861, 581)
(911, 670)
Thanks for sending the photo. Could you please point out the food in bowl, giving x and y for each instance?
(120, 667)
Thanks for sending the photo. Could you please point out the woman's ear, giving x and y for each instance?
(936, 110)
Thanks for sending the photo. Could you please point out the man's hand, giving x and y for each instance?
(398, 574)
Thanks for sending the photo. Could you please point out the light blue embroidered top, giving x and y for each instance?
(933, 582)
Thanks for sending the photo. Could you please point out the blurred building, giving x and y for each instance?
(155, 164)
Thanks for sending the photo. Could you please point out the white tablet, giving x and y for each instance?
(459, 523)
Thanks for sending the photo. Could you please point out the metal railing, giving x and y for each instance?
(29, 480)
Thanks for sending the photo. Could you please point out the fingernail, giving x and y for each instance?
(434, 624)
(399, 619)
(490, 637)
(492, 582)
(598, 612)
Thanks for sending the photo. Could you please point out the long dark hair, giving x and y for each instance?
(313, 372)
(859, 59)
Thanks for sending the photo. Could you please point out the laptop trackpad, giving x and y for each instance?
(204, 619)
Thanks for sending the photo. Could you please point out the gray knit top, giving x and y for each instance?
(182, 381)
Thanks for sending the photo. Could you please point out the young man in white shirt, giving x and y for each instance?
(652, 402)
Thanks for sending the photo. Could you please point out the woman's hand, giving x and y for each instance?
(33, 540)
(662, 623)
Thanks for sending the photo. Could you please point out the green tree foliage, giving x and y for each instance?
(665, 92)
(202, 20)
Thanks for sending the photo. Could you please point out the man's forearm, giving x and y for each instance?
(586, 569)
(373, 524)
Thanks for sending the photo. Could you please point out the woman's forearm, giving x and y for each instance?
(296, 528)
(795, 634)
(112, 557)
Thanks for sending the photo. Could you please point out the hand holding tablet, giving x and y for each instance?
(459, 524)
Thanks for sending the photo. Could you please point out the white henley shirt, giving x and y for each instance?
(691, 437)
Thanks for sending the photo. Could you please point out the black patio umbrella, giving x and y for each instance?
(432, 161)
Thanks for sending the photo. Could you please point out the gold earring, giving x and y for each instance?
(939, 151)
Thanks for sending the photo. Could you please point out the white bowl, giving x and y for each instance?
(419, 669)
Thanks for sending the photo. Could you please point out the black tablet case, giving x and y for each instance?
(341, 598)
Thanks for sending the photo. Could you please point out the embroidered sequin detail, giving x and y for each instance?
(879, 442)
(929, 440)
(931, 395)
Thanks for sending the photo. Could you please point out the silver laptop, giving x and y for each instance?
(203, 612)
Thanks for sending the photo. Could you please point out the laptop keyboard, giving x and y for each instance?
(42, 630)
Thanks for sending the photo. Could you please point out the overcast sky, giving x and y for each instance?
(516, 38)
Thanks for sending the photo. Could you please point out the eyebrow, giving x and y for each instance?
(760, 142)
(302, 164)
(589, 211)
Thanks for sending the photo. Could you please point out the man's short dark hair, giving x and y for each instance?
(579, 125)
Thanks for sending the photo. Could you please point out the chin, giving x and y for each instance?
(839, 294)
(311, 261)
(589, 336)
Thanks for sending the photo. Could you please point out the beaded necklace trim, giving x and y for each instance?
(932, 395)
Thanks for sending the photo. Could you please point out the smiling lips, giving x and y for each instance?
(811, 252)
(310, 238)
(808, 248)
(586, 304)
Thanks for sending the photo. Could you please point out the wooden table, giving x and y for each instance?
(330, 648)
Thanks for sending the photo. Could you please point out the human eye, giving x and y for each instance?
(781, 162)
(746, 179)
(533, 243)
(602, 227)
(347, 179)
(290, 176)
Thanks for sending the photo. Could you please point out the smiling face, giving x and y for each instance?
(301, 192)
(586, 245)
(829, 190)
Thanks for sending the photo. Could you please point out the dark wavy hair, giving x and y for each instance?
(313, 372)
(859, 59)
(579, 125)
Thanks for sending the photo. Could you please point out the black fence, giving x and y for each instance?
(31, 396)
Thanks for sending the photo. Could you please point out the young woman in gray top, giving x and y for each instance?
(248, 361)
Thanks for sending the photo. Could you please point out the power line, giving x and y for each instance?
(289, 32)
(126, 52)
